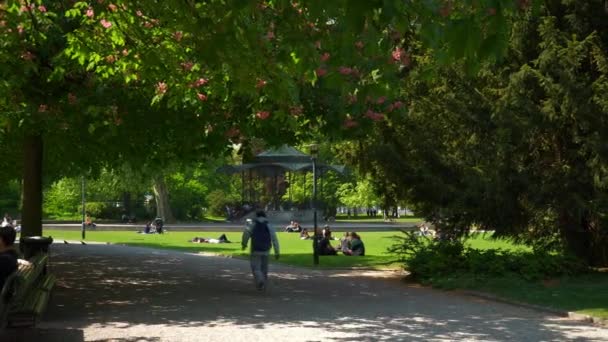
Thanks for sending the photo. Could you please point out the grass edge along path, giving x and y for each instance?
(587, 294)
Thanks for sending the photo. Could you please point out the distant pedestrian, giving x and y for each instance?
(263, 238)
(7, 221)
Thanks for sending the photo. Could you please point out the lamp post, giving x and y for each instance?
(314, 149)
(83, 211)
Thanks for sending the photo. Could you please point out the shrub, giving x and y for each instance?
(429, 260)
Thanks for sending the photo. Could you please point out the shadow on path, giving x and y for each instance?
(135, 294)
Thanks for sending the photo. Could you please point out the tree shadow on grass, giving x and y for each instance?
(115, 288)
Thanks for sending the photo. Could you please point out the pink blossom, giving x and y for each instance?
(20, 28)
(374, 116)
(42, 108)
(321, 72)
(125, 52)
(201, 97)
(90, 13)
(187, 66)
(381, 100)
(232, 132)
(28, 56)
(138, 13)
(261, 84)
(161, 88)
(397, 54)
(270, 35)
(72, 98)
(359, 45)
(263, 115)
(397, 104)
(148, 24)
(178, 36)
(24, 9)
(345, 70)
(42, 8)
(325, 57)
(350, 123)
(200, 82)
(446, 10)
(112, 7)
(105, 23)
(110, 59)
(296, 110)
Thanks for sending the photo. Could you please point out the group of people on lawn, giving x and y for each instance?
(350, 244)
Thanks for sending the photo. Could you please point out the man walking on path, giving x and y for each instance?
(263, 237)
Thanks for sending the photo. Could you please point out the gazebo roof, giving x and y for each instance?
(282, 154)
(284, 157)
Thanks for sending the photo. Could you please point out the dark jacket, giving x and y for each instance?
(8, 265)
(325, 247)
(357, 247)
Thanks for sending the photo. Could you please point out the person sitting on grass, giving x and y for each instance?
(89, 222)
(8, 254)
(356, 246)
(325, 247)
(345, 242)
(147, 228)
(221, 239)
(304, 235)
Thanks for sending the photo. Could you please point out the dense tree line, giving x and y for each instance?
(518, 147)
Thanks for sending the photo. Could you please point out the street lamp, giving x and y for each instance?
(314, 150)
(83, 211)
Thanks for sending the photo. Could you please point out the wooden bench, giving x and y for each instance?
(26, 293)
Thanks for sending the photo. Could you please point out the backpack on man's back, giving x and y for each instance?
(260, 237)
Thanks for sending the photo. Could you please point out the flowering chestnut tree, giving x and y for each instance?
(104, 81)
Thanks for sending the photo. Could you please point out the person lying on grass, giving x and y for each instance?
(304, 235)
(355, 246)
(221, 239)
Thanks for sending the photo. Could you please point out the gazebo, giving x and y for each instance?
(275, 169)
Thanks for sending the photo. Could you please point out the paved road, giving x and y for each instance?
(237, 227)
(116, 293)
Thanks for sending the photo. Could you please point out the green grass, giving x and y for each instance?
(585, 294)
(293, 250)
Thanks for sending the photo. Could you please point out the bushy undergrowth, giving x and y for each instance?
(430, 261)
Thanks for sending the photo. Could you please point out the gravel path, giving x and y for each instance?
(116, 293)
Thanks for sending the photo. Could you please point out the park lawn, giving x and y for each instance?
(584, 294)
(293, 250)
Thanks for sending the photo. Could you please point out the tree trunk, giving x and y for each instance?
(31, 212)
(161, 195)
(584, 239)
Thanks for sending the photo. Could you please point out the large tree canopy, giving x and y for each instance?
(519, 148)
(103, 82)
